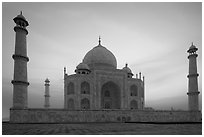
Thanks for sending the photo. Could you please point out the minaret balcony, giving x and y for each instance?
(47, 84)
(47, 95)
(20, 57)
(192, 55)
(193, 93)
(18, 27)
(18, 82)
(193, 75)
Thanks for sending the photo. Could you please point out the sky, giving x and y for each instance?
(151, 37)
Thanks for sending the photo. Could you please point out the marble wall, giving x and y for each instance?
(65, 116)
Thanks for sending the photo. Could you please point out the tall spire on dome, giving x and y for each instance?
(99, 40)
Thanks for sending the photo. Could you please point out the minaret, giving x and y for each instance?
(140, 76)
(192, 80)
(65, 98)
(143, 94)
(47, 94)
(65, 73)
(19, 81)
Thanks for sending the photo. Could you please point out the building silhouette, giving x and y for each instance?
(20, 83)
(98, 84)
(192, 79)
(47, 93)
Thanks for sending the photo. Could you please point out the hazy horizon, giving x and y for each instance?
(153, 38)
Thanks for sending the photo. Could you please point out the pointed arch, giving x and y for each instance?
(70, 104)
(70, 88)
(85, 88)
(85, 103)
(110, 96)
(133, 90)
(133, 104)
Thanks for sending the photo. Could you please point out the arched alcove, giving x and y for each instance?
(85, 88)
(70, 88)
(133, 90)
(70, 104)
(110, 96)
(133, 104)
(85, 103)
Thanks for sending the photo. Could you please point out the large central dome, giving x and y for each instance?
(99, 57)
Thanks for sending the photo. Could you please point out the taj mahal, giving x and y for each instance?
(97, 92)
(98, 84)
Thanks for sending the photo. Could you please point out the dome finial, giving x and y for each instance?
(64, 70)
(99, 40)
(21, 12)
(192, 43)
(126, 65)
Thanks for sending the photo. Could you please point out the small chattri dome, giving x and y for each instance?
(192, 48)
(127, 69)
(83, 66)
(20, 17)
(47, 80)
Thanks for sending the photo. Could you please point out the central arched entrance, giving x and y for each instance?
(110, 96)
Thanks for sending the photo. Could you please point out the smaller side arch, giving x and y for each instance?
(85, 88)
(85, 103)
(70, 104)
(133, 104)
(70, 88)
(133, 90)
